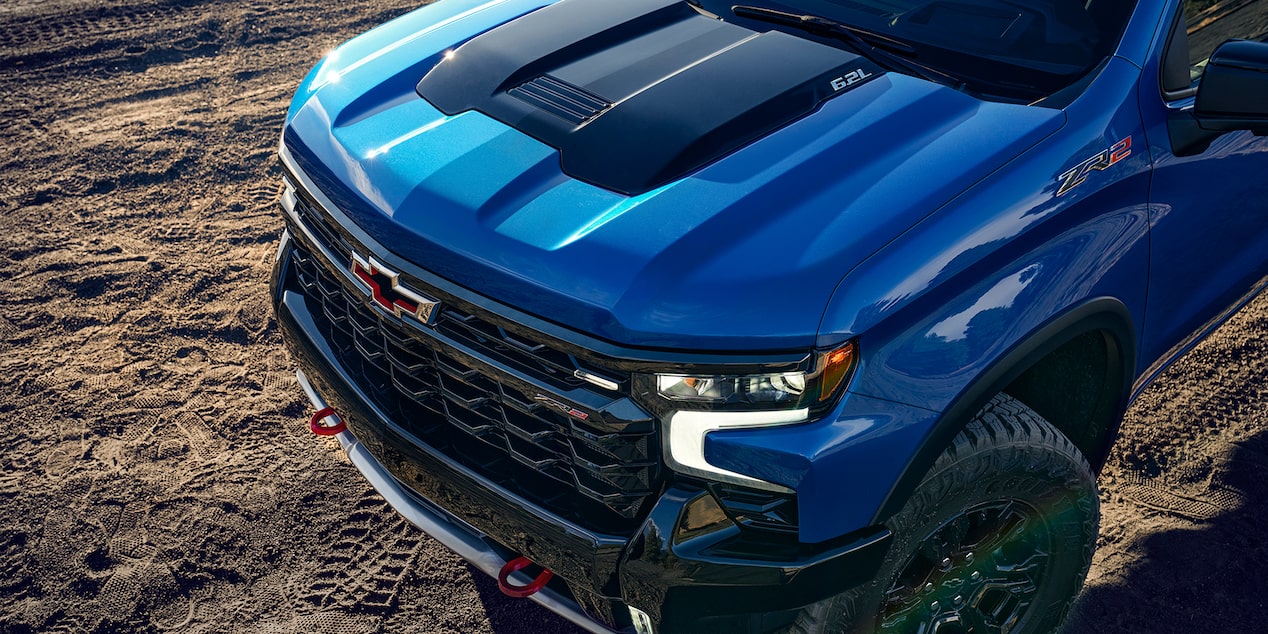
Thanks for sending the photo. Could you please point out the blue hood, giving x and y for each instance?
(741, 254)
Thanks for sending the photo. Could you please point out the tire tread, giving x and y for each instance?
(1007, 437)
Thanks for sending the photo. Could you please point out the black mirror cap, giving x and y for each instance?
(1233, 94)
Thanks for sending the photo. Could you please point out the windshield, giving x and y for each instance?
(1013, 50)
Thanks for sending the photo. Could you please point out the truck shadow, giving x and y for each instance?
(1205, 575)
(1207, 578)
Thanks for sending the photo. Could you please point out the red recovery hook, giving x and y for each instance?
(317, 425)
(519, 592)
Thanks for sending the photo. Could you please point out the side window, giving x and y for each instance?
(1210, 23)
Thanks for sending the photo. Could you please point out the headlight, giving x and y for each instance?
(759, 389)
(692, 405)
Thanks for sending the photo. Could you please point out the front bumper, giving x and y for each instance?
(724, 581)
(458, 536)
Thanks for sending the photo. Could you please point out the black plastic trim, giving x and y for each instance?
(1173, 71)
(1233, 94)
(571, 551)
(461, 538)
(685, 585)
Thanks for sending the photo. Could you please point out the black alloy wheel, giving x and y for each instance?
(979, 571)
(996, 539)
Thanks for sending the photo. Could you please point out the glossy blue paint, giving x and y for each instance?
(938, 305)
(489, 208)
(1144, 29)
(920, 220)
(861, 443)
(1208, 242)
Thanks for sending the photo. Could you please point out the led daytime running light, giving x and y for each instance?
(700, 404)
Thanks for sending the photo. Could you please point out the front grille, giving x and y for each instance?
(554, 366)
(468, 388)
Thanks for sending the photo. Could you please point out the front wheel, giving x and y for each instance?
(997, 538)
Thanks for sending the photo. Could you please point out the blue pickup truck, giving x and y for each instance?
(807, 315)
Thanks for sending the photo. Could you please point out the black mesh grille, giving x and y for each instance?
(486, 337)
(468, 390)
(325, 231)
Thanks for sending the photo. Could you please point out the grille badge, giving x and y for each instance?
(552, 403)
(384, 287)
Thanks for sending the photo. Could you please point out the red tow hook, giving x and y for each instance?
(519, 592)
(317, 425)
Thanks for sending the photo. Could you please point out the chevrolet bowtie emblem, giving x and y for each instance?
(384, 287)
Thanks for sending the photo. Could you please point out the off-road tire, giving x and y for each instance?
(1008, 452)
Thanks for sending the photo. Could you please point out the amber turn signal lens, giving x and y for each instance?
(837, 368)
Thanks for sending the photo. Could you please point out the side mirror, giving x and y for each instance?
(1233, 94)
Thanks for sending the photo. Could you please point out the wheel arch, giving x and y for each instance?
(1102, 323)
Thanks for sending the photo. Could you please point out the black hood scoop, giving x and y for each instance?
(638, 93)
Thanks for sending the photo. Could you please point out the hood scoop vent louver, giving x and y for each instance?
(635, 94)
(571, 103)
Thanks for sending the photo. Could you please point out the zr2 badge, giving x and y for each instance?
(1079, 173)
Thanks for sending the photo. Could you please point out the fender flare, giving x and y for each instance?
(1106, 314)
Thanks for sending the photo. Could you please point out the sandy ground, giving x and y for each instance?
(155, 473)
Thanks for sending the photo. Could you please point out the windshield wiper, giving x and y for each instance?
(886, 50)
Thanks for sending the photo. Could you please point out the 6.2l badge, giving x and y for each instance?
(849, 79)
